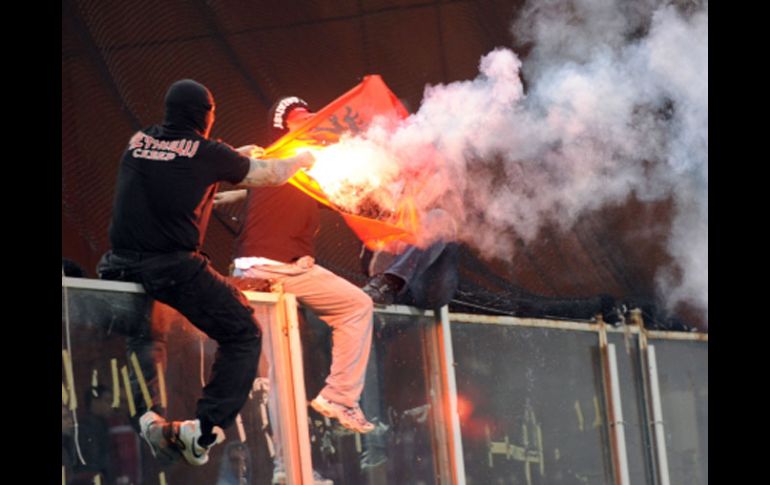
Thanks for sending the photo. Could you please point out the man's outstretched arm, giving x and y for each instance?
(272, 171)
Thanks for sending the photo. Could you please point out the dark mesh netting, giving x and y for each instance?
(118, 58)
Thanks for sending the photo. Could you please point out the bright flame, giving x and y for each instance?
(352, 170)
(354, 178)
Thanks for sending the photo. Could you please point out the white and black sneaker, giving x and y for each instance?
(185, 435)
(153, 429)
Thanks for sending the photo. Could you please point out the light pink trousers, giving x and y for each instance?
(342, 306)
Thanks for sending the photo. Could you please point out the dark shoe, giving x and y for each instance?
(613, 312)
(383, 288)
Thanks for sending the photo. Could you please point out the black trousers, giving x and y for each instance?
(186, 282)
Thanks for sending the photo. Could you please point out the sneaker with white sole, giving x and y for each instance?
(184, 436)
(151, 429)
(351, 418)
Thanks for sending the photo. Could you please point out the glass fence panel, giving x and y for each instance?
(396, 399)
(531, 401)
(683, 379)
(639, 450)
(99, 324)
(531, 405)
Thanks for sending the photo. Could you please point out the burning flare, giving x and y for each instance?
(352, 171)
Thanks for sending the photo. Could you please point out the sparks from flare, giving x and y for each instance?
(353, 170)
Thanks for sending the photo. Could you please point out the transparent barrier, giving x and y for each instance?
(639, 451)
(683, 379)
(533, 408)
(396, 399)
(532, 398)
(103, 447)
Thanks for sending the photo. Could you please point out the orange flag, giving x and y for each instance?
(351, 113)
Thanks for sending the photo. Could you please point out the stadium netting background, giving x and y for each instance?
(119, 57)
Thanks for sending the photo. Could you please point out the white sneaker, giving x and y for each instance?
(151, 429)
(185, 438)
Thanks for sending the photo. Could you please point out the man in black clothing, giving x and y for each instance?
(167, 179)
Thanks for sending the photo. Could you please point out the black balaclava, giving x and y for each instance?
(279, 113)
(187, 105)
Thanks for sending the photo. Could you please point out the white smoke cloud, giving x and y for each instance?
(616, 103)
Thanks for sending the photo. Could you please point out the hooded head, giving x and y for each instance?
(286, 113)
(189, 106)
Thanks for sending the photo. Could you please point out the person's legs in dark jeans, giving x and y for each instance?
(392, 285)
(414, 261)
(424, 275)
(220, 311)
(186, 282)
(435, 279)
